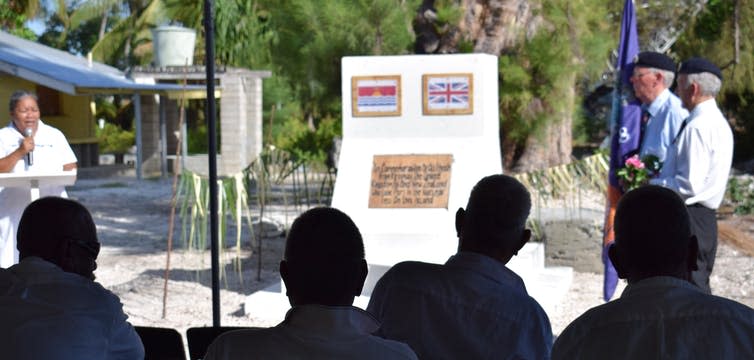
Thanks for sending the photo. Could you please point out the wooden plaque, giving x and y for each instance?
(410, 181)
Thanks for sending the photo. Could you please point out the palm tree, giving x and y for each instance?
(128, 42)
(14, 15)
(28, 8)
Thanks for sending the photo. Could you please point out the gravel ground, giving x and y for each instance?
(132, 221)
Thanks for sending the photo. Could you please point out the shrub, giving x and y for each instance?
(740, 193)
(114, 140)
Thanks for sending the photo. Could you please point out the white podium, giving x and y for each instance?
(34, 180)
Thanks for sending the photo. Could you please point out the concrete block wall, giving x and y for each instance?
(150, 135)
(240, 109)
(240, 121)
(254, 132)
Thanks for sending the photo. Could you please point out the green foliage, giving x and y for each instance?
(312, 146)
(536, 76)
(197, 142)
(739, 108)
(12, 20)
(198, 139)
(106, 109)
(126, 43)
(448, 15)
(76, 40)
(515, 98)
(712, 35)
(636, 172)
(309, 38)
(241, 35)
(740, 193)
(114, 140)
(302, 42)
(193, 192)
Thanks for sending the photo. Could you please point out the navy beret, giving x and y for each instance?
(651, 59)
(698, 65)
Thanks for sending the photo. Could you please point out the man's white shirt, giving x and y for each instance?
(698, 164)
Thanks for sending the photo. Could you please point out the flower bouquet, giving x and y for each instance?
(637, 171)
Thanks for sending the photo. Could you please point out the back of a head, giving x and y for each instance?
(497, 211)
(60, 231)
(325, 249)
(653, 230)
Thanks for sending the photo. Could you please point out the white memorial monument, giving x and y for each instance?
(419, 131)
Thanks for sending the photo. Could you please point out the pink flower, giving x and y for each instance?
(634, 162)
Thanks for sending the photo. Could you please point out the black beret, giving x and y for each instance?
(655, 60)
(698, 65)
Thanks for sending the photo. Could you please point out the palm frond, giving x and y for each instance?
(564, 182)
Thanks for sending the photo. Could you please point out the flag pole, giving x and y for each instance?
(624, 135)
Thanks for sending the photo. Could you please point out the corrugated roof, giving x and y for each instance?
(68, 73)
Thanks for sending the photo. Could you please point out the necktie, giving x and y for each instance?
(645, 115)
(683, 126)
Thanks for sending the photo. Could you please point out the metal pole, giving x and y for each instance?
(163, 136)
(184, 143)
(209, 44)
(139, 141)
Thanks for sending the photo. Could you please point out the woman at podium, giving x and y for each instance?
(27, 145)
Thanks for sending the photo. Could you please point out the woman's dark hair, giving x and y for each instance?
(17, 96)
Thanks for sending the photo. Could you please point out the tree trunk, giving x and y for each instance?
(492, 26)
(554, 146)
(102, 25)
(499, 27)
(495, 26)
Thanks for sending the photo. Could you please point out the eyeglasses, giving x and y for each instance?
(28, 110)
(639, 75)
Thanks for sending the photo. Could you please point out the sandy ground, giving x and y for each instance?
(132, 221)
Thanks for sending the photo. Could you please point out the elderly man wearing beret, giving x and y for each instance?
(662, 113)
(698, 165)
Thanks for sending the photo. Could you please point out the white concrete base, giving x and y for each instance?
(270, 304)
(547, 285)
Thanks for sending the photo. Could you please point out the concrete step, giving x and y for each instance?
(531, 256)
(549, 286)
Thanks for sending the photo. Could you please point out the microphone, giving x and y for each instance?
(30, 154)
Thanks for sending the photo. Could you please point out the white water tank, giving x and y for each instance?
(173, 46)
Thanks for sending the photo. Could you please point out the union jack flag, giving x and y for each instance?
(448, 93)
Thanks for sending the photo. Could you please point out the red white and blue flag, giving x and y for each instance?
(448, 94)
(376, 96)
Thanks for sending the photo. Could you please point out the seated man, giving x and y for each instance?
(323, 269)
(473, 306)
(50, 306)
(661, 314)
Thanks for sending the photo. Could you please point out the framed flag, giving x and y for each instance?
(448, 94)
(376, 95)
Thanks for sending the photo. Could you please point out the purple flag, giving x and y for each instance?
(625, 131)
